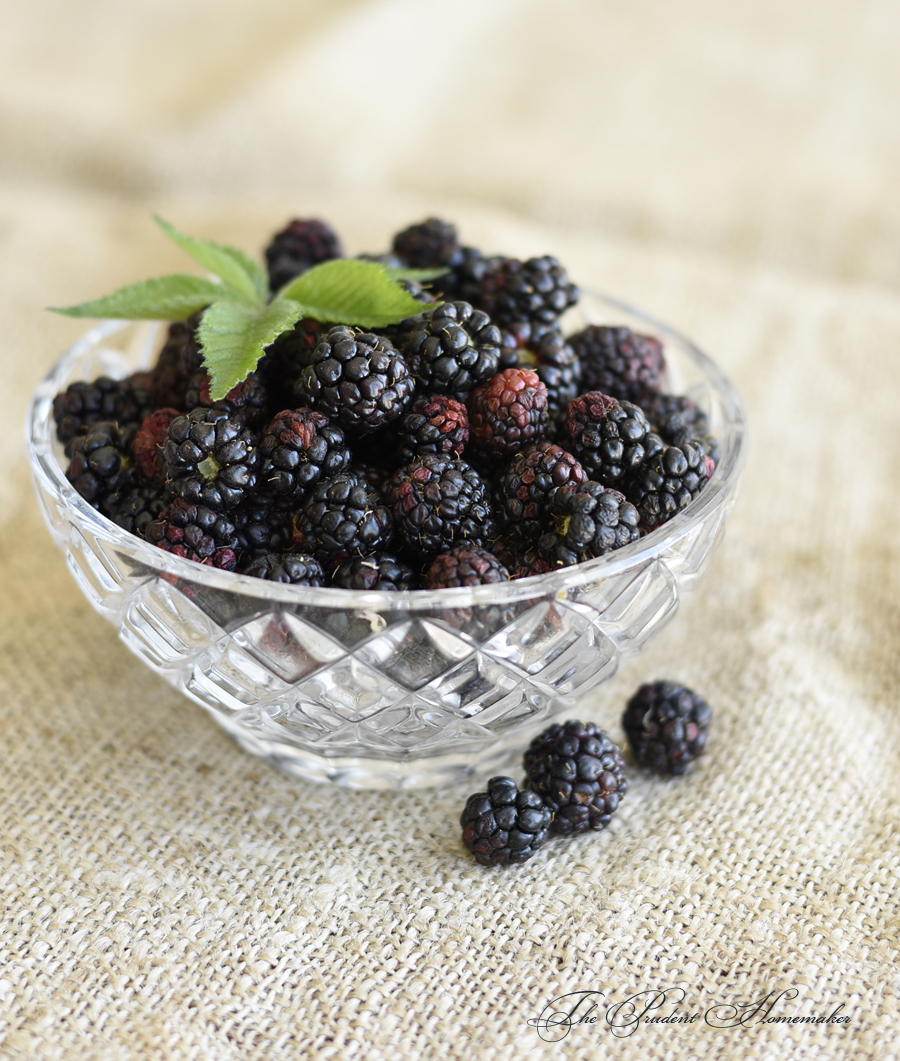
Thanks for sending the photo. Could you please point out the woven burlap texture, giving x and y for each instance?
(164, 895)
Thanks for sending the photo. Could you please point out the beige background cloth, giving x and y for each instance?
(733, 168)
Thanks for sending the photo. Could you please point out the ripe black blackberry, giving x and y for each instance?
(667, 726)
(179, 361)
(536, 290)
(294, 568)
(100, 466)
(523, 490)
(450, 348)
(381, 571)
(579, 774)
(135, 510)
(428, 245)
(438, 502)
(607, 436)
(504, 824)
(619, 362)
(667, 482)
(677, 419)
(263, 525)
(298, 448)
(81, 404)
(357, 378)
(465, 565)
(437, 425)
(246, 403)
(588, 520)
(462, 282)
(195, 532)
(285, 359)
(508, 412)
(342, 517)
(299, 246)
(210, 459)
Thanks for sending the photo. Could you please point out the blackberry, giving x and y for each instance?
(559, 369)
(285, 359)
(522, 560)
(522, 492)
(428, 245)
(342, 517)
(504, 824)
(137, 509)
(465, 565)
(536, 290)
(608, 437)
(518, 340)
(677, 419)
(463, 281)
(246, 402)
(667, 726)
(298, 569)
(437, 425)
(179, 361)
(619, 362)
(210, 459)
(195, 532)
(589, 520)
(438, 502)
(356, 377)
(450, 348)
(667, 482)
(298, 247)
(298, 448)
(579, 774)
(99, 466)
(81, 404)
(148, 442)
(379, 571)
(263, 525)
(508, 411)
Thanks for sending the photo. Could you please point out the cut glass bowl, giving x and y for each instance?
(380, 689)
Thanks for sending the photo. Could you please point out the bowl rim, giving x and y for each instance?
(733, 455)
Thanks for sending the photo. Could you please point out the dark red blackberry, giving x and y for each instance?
(100, 467)
(179, 361)
(608, 437)
(522, 492)
(357, 378)
(465, 565)
(450, 348)
(342, 517)
(667, 726)
(298, 569)
(263, 525)
(536, 290)
(438, 502)
(380, 571)
(504, 824)
(299, 447)
(81, 404)
(677, 419)
(543, 348)
(579, 774)
(507, 412)
(522, 559)
(148, 442)
(210, 459)
(619, 362)
(298, 247)
(437, 425)
(136, 510)
(246, 403)
(428, 245)
(195, 532)
(667, 482)
(588, 520)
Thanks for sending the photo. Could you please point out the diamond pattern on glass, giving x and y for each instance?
(286, 645)
(349, 688)
(642, 606)
(414, 652)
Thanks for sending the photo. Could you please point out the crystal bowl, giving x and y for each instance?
(379, 689)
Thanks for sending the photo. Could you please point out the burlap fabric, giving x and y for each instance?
(164, 895)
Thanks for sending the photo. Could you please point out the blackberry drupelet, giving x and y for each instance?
(357, 378)
(81, 404)
(588, 520)
(504, 824)
(430, 244)
(100, 467)
(343, 517)
(667, 482)
(619, 362)
(298, 247)
(677, 419)
(522, 492)
(507, 412)
(137, 509)
(246, 403)
(667, 726)
(195, 532)
(465, 565)
(538, 290)
(438, 502)
(579, 774)
(436, 425)
(381, 571)
(297, 569)
(210, 459)
(450, 348)
(299, 447)
(607, 436)
(179, 361)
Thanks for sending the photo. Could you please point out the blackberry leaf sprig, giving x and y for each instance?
(240, 320)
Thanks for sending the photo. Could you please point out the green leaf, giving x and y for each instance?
(234, 337)
(351, 291)
(421, 276)
(233, 267)
(165, 298)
